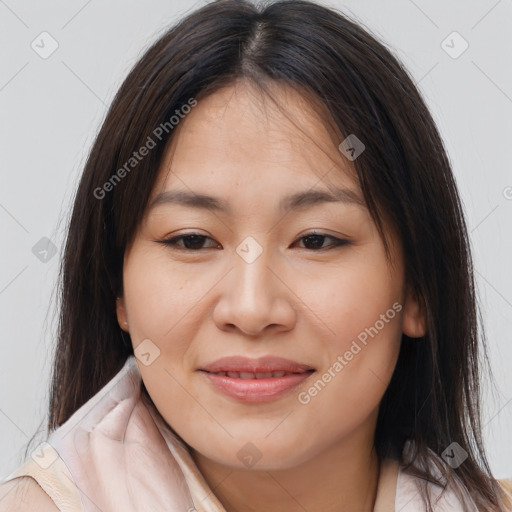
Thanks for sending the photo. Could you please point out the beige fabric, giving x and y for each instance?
(55, 480)
(506, 485)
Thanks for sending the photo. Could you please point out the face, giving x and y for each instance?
(254, 275)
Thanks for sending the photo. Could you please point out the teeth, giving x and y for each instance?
(265, 375)
(250, 375)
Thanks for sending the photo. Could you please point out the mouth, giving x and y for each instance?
(255, 380)
(261, 367)
(257, 375)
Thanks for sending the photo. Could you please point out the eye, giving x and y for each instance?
(315, 241)
(193, 242)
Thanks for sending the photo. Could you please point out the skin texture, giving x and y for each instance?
(296, 300)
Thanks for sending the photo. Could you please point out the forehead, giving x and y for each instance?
(240, 138)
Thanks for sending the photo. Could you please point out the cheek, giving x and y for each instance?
(351, 297)
(360, 307)
(160, 302)
(349, 388)
(160, 297)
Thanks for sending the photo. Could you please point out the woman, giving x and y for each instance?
(215, 353)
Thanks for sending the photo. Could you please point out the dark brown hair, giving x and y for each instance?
(404, 173)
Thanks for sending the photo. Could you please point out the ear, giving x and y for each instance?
(413, 319)
(122, 317)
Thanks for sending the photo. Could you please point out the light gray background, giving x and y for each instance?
(51, 108)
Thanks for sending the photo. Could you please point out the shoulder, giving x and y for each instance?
(24, 494)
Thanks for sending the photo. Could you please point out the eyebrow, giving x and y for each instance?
(296, 201)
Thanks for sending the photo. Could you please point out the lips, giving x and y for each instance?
(252, 375)
(245, 368)
(256, 380)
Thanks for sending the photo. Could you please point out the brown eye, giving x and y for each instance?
(315, 241)
(192, 242)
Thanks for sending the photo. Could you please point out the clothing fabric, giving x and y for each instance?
(116, 453)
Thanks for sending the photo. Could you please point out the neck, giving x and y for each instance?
(344, 477)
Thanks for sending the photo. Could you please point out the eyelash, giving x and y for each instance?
(172, 242)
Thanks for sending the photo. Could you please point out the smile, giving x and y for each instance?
(250, 375)
(255, 387)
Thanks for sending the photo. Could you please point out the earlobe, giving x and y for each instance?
(413, 319)
(121, 314)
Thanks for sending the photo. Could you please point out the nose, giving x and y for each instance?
(255, 297)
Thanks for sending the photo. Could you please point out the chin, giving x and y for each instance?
(257, 455)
